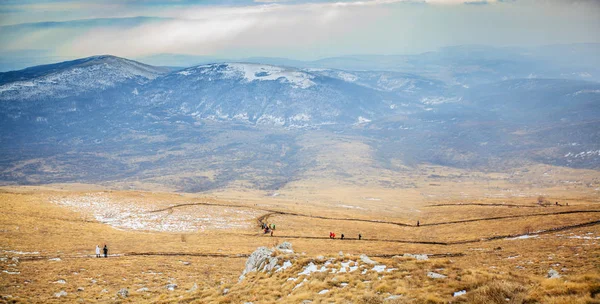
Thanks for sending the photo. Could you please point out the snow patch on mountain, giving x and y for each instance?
(258, 72)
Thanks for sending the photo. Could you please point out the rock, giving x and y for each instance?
(285, 247)
(459, 293)
(306, 302)
(171, 286)
(186, 263)
(420, 257)
(365, 259)
(225, 291)
(341, 253)
(435, 275)
(143, 289)
(123, 293)
(104, 291)
(257, 260)
(324, 291)
(61, 281)
(393, 297)
(271, 264)
(61, 293)
(553, 274)
(55, 259)
(80, 289)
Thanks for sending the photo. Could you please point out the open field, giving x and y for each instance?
(499, 249)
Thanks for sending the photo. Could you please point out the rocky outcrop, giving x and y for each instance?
(262, 259)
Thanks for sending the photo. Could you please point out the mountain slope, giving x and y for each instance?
(73, 78)
(263, 94)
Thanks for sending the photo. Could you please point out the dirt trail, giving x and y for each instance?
(271, 212)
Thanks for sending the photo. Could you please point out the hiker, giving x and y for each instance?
(273, 226)
(97, 251)
(271, 232)
(333, 236)
(556, 203)
(342, 236)
(105, 249)
(359, 236)
(330, 234)
(418, 223)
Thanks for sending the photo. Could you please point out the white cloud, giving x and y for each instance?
(310, 30)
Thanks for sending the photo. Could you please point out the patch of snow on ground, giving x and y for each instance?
(308, 269)
(286, 265)
(20, 252)
(131, 215)
(379, 268)
(523, 237)
(251, 72)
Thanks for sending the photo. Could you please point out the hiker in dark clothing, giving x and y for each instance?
(271, 232)
(418, 223)
(342, 236)
(330, 234)
(105, 249)
(359, 236)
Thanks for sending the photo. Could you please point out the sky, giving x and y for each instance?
(304, 30)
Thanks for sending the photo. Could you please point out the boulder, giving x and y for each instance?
(553, 274)
(61, 293)
(260, 258)
(365, 259)
(435, 275)
(123, 293)
(285, 247)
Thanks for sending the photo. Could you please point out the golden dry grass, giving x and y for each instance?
(204, 263)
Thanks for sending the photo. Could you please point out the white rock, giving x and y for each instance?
(61, 281)
(285, 247)
(143, 289)
(435, 275)
(257, 260)
(365, 259)
(324, 291)
(459, 293)
(553, 274)
(123, 293)
(61, 293)
(171, 286)
(419, 257)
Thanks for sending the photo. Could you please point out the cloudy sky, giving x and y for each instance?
(292, 29)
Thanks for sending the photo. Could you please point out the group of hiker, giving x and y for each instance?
(332, 236)
(104, 250)
(268, 228)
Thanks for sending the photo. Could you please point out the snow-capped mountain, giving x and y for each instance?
(106, 118)
(263, 94)
(74, 78)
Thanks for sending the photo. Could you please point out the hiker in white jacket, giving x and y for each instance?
(97, 251)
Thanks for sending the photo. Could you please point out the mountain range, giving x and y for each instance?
(106, 119)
